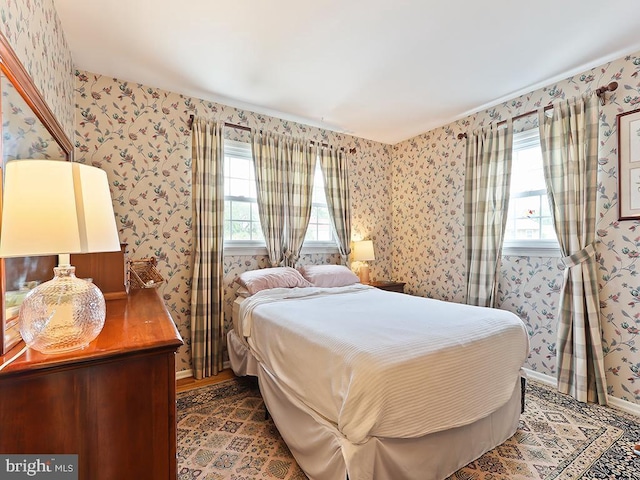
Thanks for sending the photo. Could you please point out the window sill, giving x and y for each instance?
(533, 249)
(251, 249)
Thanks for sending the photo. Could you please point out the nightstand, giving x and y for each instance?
(389, 286)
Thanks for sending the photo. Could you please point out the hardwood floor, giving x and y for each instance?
(190, 383)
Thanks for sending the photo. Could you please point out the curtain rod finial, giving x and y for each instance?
(608, 88)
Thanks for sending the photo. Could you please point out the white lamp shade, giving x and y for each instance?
(363, 251)
(52, 207)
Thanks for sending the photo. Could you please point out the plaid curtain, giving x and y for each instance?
(569, 142)
(336, 186)
(299, 163)
(207, 336)
(271, 178)
(486, 202)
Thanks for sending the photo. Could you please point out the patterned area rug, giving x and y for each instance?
(223, 435)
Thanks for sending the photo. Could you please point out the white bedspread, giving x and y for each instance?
(378, 363)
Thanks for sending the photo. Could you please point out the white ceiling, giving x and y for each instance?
(383, 70)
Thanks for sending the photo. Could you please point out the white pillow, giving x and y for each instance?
(329, 275)
(276, 277)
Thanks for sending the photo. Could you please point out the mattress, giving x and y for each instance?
(376, 363)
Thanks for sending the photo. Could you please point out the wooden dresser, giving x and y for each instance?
(112, 403)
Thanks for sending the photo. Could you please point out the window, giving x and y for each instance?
(319, 229)
(241, 218)
(530, 229)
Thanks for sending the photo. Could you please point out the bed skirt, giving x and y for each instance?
(325, 454)
(242, 361)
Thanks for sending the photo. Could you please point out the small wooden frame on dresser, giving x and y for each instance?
(389, 286)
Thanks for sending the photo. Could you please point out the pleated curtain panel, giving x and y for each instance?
(569, 142)
(300, 161)
(207, 323)
(486, 203)
(271, 177)
(335, 171)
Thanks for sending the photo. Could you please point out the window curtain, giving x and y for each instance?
(271, 178)
(487, 185)
(299, 162)
(207, 336)
(335, 171)
(569, 142)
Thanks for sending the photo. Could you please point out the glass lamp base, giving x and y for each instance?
(63, 314)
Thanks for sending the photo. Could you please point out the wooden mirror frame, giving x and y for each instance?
(15, 72)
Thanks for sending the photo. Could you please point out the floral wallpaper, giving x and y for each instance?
(139, 135)
(428, 228)
(34, 31)
(23, 135)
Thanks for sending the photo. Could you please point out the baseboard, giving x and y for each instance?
(189, 373)
(624, 405)
(541, 377)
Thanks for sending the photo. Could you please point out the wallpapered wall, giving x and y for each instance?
(428, 229)
(139, 136)
(34, 32)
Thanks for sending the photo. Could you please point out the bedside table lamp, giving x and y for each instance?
(363, 252)
(56, 207)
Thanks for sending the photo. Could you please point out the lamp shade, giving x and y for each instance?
(52, 207)
(363, 251)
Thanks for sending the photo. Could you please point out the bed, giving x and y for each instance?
(368, 384)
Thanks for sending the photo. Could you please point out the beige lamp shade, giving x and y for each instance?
(363, 251)
(52, 207)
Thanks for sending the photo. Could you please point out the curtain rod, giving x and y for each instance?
(248, 129)
(599, 92)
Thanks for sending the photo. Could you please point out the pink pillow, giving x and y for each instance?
(277, 277)
(329, 275)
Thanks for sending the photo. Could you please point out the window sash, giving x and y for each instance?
(540, 214)
(255, 242)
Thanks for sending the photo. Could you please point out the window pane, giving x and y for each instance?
(256, 232)
(241, 168)
(312, 234)
(241, 211)
(255, 213)
(323, 215)
(527, 207)
(527, 228)
(548, 231)
(239, 188)
(324, 233)
(527, 171)
(241, 230)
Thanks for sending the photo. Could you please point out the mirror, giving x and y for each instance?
(29, 130)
